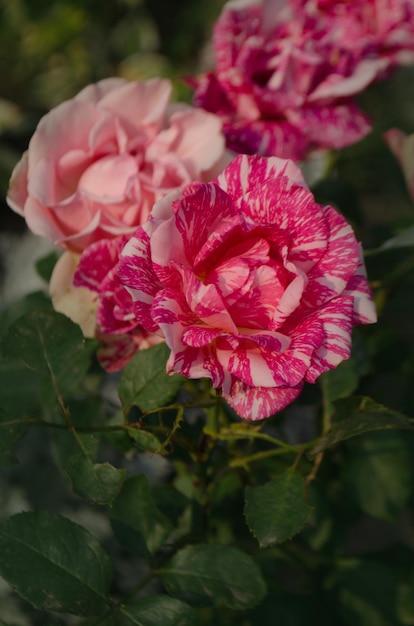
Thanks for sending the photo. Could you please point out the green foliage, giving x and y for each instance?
(361, 415)
(379, 473)
(207, 574)
(49, 345)
(41, 553)
(137, 523)
(277, 511)
(10, 431)
(155, 610)
(144, 373)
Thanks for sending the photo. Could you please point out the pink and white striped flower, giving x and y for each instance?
(287, 71)
(252, 283)
(118, 330)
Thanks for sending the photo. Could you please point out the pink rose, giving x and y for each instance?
(252, 283)
(402, 146)
(382, 28)
(287, 71)
(96, 163)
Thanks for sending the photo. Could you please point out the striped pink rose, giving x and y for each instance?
(287, 71)
(252, 283)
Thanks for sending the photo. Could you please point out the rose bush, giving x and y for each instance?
(252, 283)
(96, 163)
(287, 72)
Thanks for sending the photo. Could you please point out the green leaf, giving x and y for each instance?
(44, 266)
(54, 564)
(378, 473)
(277, 510)
(11, 429)
(363, 415)
(13, 378)
(49, 344)
(97, 482)
(144, 440)
(137, 523)
(170, 501)
(343, 380)
(17, 409)
(155, 610)
(214, 574)
(339, 382)
(145, 383)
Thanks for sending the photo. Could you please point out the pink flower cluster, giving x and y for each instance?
(93, 170)
(251, 283)
(248, 280)
(287, 71)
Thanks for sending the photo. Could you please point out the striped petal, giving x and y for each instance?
(245, 173)
(256, 403)
(135, 272)
(330, 276)
(336, 320)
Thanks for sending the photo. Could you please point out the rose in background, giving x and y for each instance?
(96, 163)
(287, 71)
(402, 146)
(93, 170)
(252, 283)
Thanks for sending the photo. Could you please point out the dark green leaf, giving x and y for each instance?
(97, 482)
(378, 473)
(49, 344)
(278, 510)
(44, 266)
(145, 383)
(339, 382)
(155, 610)
(137, 523)
(343, 380)
(10, 431)
(170, 501)
(54, 564)
(364, 415)
(13, 379)
(214, 574)
(17, 409)
(144, 440)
